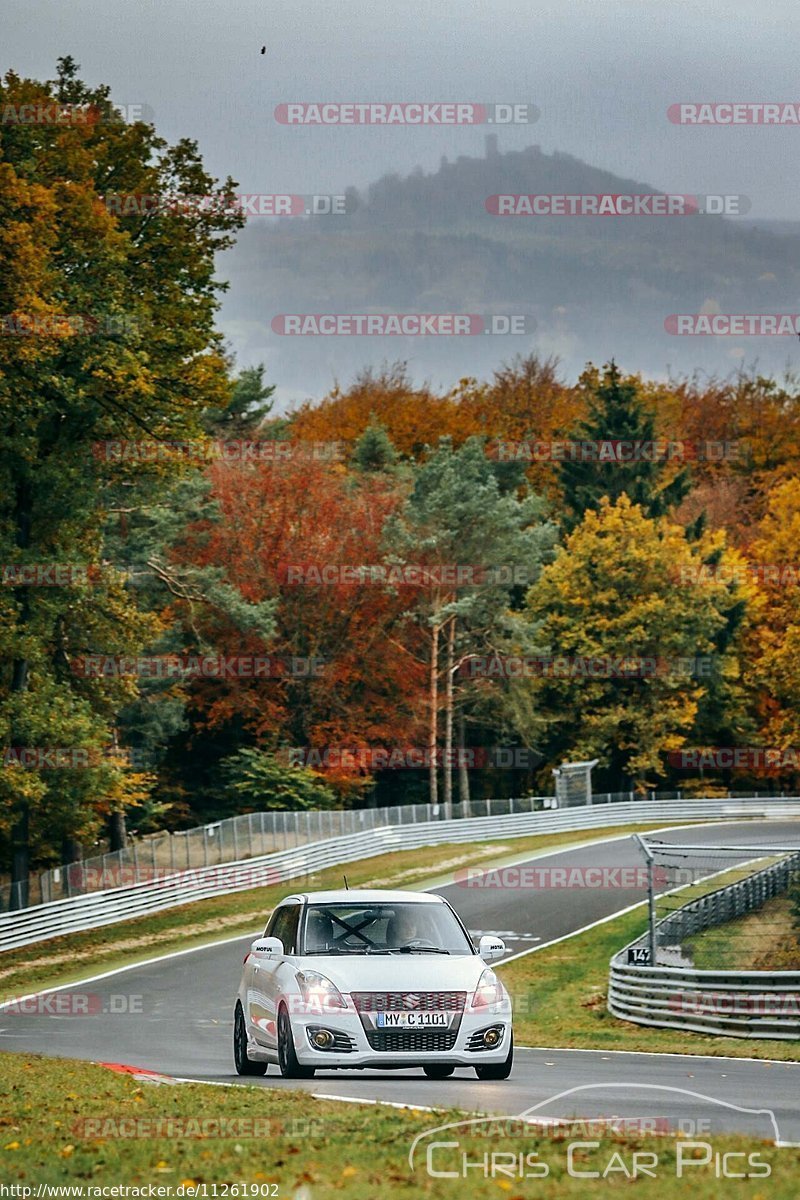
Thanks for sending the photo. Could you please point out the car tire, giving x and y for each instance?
(438, 1071)
(244, 1065)
(287, 1059)
(497, 1070)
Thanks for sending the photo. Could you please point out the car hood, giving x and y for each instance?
(398, 972)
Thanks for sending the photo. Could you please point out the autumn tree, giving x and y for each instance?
(774, 647)
(622, 621)
(523, 408)
(109, 317)
(292, 534)
(413, 416)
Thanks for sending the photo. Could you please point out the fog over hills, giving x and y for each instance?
(597, 286)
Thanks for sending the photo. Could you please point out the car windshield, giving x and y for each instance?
(384, 928)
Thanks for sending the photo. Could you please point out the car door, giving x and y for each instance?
(265, 988)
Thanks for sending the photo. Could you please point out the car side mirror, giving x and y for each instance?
(490, 948)
(270, 947)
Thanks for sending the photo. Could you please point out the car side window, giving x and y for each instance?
(283, 925)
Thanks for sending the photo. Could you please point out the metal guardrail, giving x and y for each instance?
(43, 921)
(251, 835)
(748, 1004)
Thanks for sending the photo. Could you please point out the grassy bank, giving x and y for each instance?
(766, 940)
(68, 1123)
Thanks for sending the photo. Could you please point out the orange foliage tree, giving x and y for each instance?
(283, 531)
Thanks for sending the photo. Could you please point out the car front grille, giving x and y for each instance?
(409, 1001)
(388, 1040)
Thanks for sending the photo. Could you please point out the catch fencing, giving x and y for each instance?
(699, 967)
(253, 835)
(170, 889)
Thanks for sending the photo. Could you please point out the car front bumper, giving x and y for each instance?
(463, 1047)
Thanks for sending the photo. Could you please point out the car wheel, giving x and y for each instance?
(437, 1071)
(497, 1070)
(244, 1065)
(287, 1059)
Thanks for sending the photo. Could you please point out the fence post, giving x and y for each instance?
(651, 899)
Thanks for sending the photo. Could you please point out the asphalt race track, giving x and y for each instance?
(174, 1016)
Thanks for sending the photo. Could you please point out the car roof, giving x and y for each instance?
(365, 896)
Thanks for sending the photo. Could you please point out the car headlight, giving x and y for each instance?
(489, 990)
(319, 992)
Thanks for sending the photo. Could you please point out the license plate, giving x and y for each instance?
(412, 1020)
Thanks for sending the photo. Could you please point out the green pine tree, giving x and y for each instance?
(374, 450)
(617, 413)
(250, 405)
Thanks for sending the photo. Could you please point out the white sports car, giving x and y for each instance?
(355, 979)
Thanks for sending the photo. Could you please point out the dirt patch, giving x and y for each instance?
(146, 941)
(491, 851)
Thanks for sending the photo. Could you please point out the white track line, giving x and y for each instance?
(237, 937)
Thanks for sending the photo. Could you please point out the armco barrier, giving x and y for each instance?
(78, 913)
(747, 1004)
(252, 835)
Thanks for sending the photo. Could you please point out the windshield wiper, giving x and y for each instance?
(417, 950)
(334, 950)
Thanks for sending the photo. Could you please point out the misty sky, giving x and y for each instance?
(602, 72)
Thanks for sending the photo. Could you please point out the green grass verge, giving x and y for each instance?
(61, 1124)
(765, 940)
(560, 995)
(73, 957)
